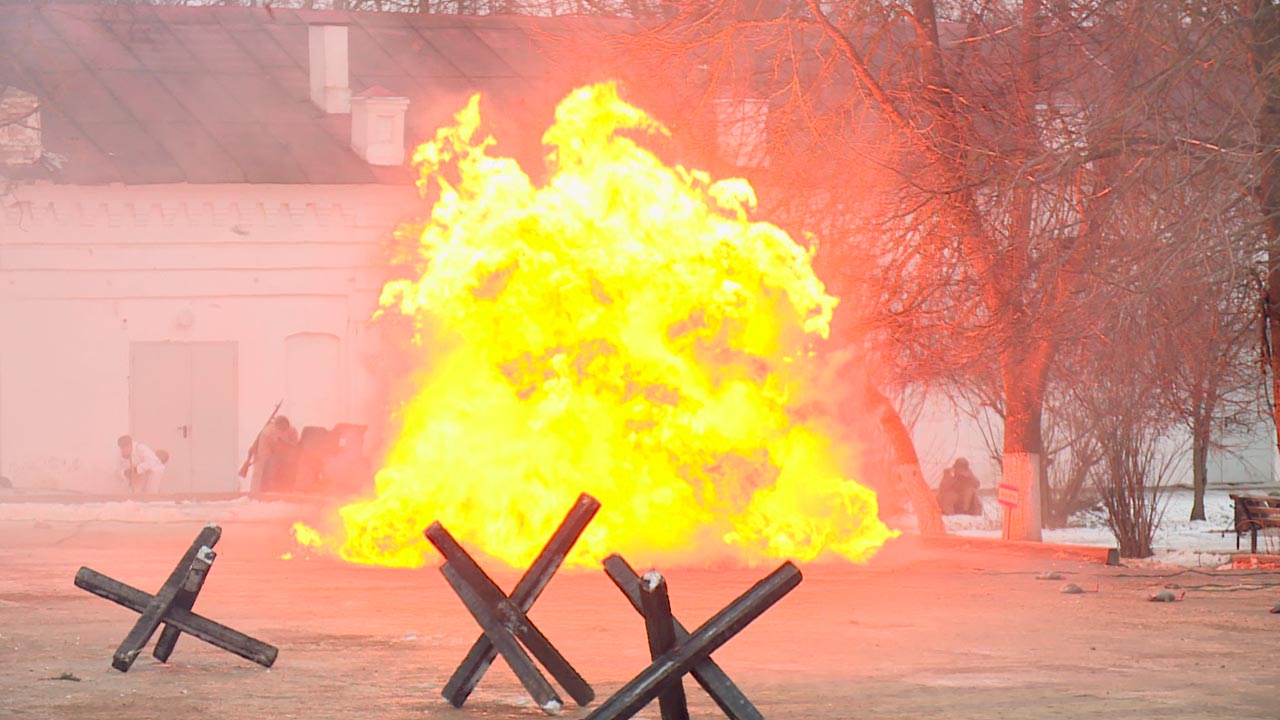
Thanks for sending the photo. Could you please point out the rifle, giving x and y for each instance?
(253, 449)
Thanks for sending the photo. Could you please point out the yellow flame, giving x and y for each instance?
(624, 330)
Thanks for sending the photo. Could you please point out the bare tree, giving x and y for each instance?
(1192, 210)
(1121, 418)
(603, 8)
(1072, 463)
(1207, 367)
(1129, 480)
(1038, 167)
(1261, 43)
(1010, 136)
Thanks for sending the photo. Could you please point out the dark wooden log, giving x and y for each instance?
(188, 622)
(512, 618)
(186, 599)
(505, 643)
(713, 680)
(655, 604)
(161, 602)
(701, 643)
(526, 592)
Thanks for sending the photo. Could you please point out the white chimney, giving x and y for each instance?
(377, 126)
(330, 84)
(19, 128)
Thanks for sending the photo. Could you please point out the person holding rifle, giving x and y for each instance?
(252, 456)
(272, 456)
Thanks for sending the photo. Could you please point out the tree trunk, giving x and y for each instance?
(1022, 521)
(1264, 52)
(1024, 379)
(1025, 360)
(1199, 464)
(923, 502)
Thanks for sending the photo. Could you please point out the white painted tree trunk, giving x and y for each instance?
(1022, 522)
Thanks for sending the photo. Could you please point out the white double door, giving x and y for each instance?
(183, 399)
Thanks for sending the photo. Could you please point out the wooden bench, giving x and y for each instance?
(1254, 513)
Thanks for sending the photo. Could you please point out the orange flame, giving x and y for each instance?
(624, 330)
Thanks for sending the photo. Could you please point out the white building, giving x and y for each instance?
(193, 208)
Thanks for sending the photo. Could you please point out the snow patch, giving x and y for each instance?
(652, 580)
(1178, 540)
(211, 512)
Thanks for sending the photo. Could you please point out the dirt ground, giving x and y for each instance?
(918, 633)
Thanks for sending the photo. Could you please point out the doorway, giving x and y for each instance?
(183, 399)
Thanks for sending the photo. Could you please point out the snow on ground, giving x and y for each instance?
(1178, 540)
(149, 511)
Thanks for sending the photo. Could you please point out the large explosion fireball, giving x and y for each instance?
(623, 330)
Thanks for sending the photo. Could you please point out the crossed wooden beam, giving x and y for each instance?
(507, 630)
(171, 606)
(676, 652)
(504, 621)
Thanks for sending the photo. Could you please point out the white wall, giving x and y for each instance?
(1249, 459)
(84, 271)
(941, 435)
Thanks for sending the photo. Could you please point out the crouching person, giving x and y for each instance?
(140, 467)
(958, 491)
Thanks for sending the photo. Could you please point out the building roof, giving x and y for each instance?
(141, 94)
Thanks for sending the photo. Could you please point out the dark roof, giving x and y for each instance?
(141, 94)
